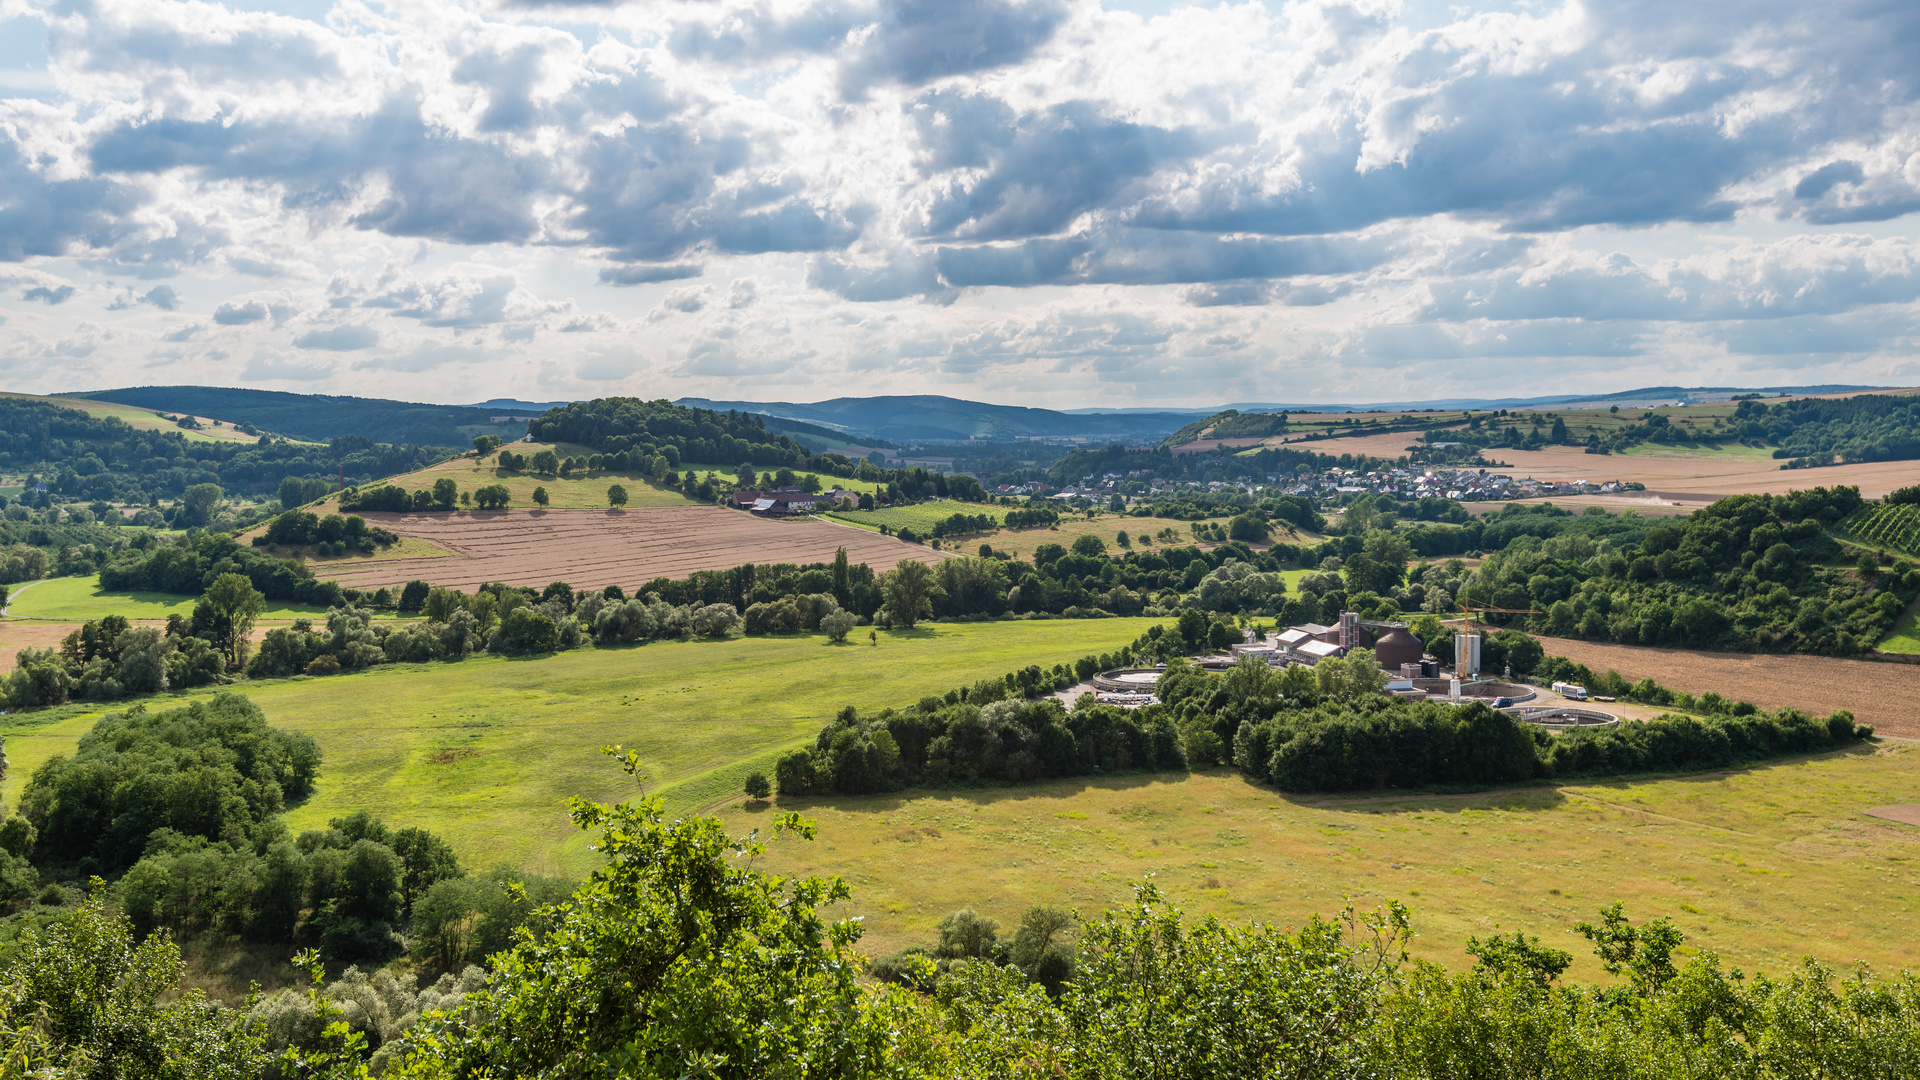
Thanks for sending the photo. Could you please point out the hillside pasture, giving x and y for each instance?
(920, 517)
(144, 419)
(596, 548)
(1761, 865)
(79, 599)
(486, 751)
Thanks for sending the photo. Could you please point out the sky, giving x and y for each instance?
(1062, 203)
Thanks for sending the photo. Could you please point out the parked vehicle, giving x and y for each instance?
(1570, 691)
(1503, 703)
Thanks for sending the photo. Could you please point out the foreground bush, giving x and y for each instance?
(681, 959)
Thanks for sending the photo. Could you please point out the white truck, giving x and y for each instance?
(1570, 691)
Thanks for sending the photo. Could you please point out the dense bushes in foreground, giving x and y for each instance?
(681, 959)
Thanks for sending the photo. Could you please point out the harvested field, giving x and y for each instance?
(1880, 694)
(1692, 481)
(1908, 814)
(596, 548)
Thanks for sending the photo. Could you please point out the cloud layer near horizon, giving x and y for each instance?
(1037, 200)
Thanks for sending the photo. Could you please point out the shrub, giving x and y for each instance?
(757, 786)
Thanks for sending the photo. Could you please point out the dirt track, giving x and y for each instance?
(596, 548)
(1882, 694)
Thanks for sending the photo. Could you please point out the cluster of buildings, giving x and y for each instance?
(1461, 485)
(785, 502)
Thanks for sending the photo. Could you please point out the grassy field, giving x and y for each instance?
(1701, 452)
(487, 751)
(920, 517)
(78, 599)
(1905, 637)
(1761, 865)
(574, 493)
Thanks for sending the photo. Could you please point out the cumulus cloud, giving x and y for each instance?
(924, 182)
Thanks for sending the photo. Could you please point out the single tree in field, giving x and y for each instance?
(1123, 539)
(231, 604)
(485, 444)
(744, 475)
(757, 786)
(616, 495)
(546, 463)
(445, 492)
(838, 624)
(910, 590)
(540, 495)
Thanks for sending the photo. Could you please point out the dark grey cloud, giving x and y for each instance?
(1821, 180)
(1032, 174)
(436, 184)
(339, 338)
(232, 314)
(40, 216)
(917, 41)
(891, 42)
(52, 297)
(647, 275)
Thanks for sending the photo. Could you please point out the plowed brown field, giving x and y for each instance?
(596, 548)
(1882, 694)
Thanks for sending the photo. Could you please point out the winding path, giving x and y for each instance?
(8, 603)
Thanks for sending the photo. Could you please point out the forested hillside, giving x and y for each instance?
(320, 417)
(87, 457)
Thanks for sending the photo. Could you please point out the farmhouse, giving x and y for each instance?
(779, 503)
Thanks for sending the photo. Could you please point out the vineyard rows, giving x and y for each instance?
(1895, 528)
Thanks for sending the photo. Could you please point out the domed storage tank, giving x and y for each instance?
(1397, 646)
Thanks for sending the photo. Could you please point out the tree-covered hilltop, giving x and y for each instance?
(81, 456)
(1815, 431)
(630, 424)
(1748, 572)
(320, 417)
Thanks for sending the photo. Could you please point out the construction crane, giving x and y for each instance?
(1467, 610)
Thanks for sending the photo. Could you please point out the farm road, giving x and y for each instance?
(1881, 694)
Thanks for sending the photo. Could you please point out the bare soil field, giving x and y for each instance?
(596, 548)
(1648, 503)
(1880, 694)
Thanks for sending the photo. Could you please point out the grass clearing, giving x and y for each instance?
(1761, 865)
(487, 751)
(920, 517)
(80, 599)
(1905, 636)
(1692, 452)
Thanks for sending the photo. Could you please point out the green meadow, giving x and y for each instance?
(486, 751)
(79, 599)
(1761, 865)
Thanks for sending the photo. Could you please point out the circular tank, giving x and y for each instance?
(1395, 647)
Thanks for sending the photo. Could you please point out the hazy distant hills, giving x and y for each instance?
(930, 418)
(847, 423)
